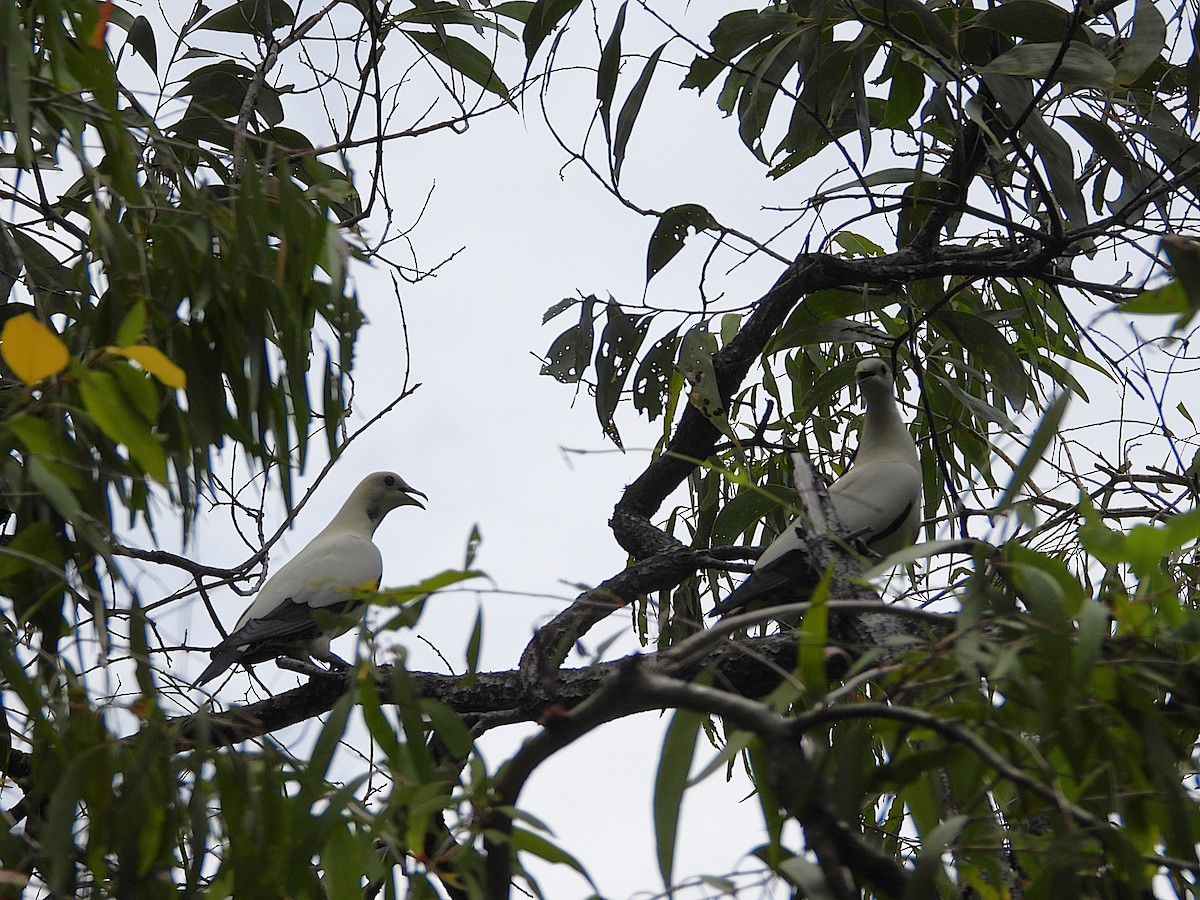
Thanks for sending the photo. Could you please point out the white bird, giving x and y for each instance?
(877, 501)
(329, 574)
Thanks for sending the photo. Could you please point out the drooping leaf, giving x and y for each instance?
(1015, 96)
(1078, 64)
(652, 381)
(993, 352)
(695, 362)
(679, 746)
(569, 355)
(615, 354)
(141, 39)
(1045, 432)
(608, 70)
(462, 57)
(629, 112)
(541, 20)
(1147, 41)
(111, 409)
(261, 17)
(672, 231)
(915, 21)
(904, 97)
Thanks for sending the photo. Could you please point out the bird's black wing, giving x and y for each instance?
(778, 578)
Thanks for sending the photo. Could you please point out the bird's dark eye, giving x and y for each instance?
(389, 480)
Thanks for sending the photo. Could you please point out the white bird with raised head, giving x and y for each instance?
(878, 500)
(329, 574)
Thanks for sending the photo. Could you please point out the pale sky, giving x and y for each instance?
(483, 435)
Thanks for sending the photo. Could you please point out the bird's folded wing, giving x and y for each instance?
(287, 620)
(876, 498)
(323, 575)
(873, 501)
(788, 564)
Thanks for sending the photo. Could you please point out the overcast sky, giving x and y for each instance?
(484, 438)
(484, 434)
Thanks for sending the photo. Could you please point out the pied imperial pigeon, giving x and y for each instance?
(877, 501)
(329, 574)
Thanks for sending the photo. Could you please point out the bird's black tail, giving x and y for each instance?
(222, 660)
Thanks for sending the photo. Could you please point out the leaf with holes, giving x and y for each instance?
(568, 357)
(696, 364)
(672, 231)
(619, 343)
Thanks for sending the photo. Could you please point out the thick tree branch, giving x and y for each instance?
(637, 686)
(695, 436)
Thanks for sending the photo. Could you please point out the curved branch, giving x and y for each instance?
(636, 687)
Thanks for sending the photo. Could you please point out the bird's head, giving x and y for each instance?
(874, 377)
(381, 492)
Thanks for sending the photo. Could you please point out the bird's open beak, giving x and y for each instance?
(409, 499)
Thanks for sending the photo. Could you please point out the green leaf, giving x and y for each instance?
(261, 17)
(475, 642)
(652, 382)
(1169, 299)
(609, 69)
(914, 212)
(884, 176)
(615, 354)
(629, 112)
(1038, 444)
(1031, 20)
(39, 437)
(118, 418)
(141, 39)
(904, 96)
(929, 861)
(528, 842)
(450, 727)
(463, 58)
(748, 507)
(737, 32)
(695, 362)
(1180, 296)
(679, 747)
(441, 581)
(1079, 65)
(569, 355)
(913, 20)
(560, 307)
(806, 875)
(542, 19)
(53, 489)
(377, 723)
(474, 539)
(1053, 595)
(856, 244)
(1015, 96)
(993, 353)
(672, 231)
(22, 578)
(813, 636)
(1145, 44)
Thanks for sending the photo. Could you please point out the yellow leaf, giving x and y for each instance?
(31, 349)
(155, 362)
